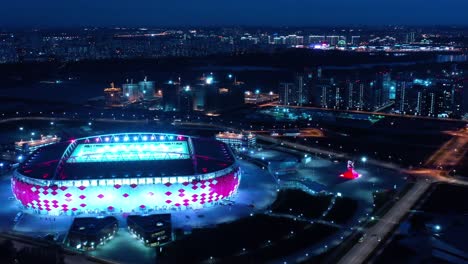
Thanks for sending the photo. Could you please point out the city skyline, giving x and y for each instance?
(54, 13)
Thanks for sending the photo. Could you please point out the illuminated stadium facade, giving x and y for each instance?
(127, 172)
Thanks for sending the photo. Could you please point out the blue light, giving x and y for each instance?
(230, 76)
(145, 138)
(135, 138)
(171, 137)
(116, 139)
(209, 80)
(126, 138)
(20, 157)
(437, 227)
(161, 137)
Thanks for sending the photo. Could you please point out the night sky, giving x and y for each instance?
(58, 13)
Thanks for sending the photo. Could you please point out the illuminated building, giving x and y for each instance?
(113, 96)
(125, 172)
(355, 40)
(212, 95)
(314, 39)
(237, 140)
(147, 89)
(87, 233)
(402, 97)
(286, 94)
(153, 230)
(32, 145)
(131, 92)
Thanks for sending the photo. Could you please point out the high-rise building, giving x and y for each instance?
(402, 97)
(131, 91)
(147, 89)
(286, 94)
(170, 96)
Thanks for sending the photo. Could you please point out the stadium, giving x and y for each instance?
(126, 172)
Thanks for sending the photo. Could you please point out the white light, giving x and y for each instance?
(161, 137)
(126, 138)
(106, 139)
(338, 194)
(363, 159)
(153, 137)
(135, 138)
(116, 139)
(21, 128)
(209, 80)
(437, 227)
(145, 138)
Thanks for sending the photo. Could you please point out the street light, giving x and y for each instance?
(364, 159)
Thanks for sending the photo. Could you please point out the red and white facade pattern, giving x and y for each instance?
(126, 195)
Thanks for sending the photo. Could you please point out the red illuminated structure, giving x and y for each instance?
(350, 173)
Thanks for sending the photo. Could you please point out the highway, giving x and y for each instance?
(361, 251)
(363, 112)
(447, 155)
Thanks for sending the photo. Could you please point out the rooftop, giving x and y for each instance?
(112, 156)
(151, 223)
